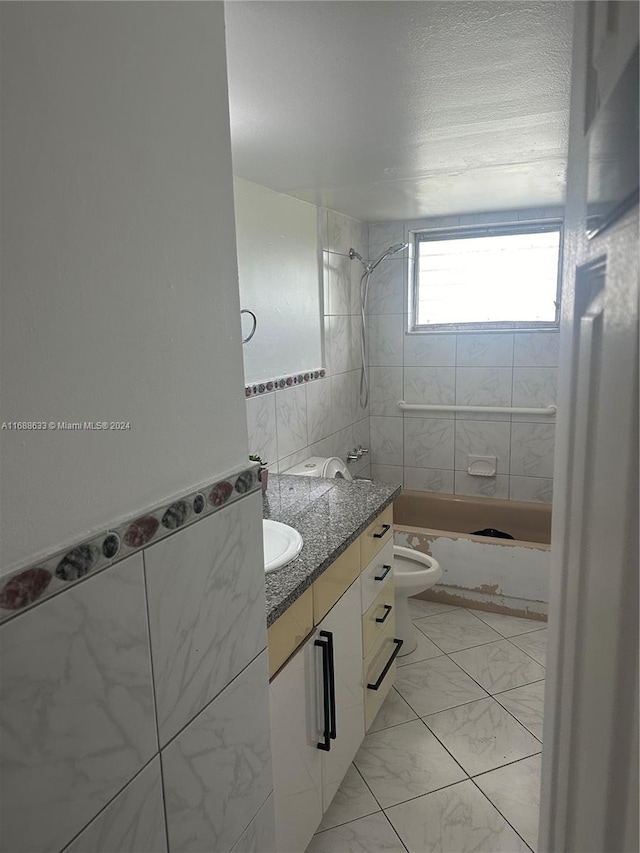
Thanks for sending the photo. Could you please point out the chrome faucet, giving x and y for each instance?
(357, 453)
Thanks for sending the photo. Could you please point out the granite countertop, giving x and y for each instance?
(330, 515)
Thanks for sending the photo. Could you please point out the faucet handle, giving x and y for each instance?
(361, 451)
(352, 456)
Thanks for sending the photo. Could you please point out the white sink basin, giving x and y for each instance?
(282, 544)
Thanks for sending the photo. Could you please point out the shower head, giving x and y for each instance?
(371, 265)
(397, 247)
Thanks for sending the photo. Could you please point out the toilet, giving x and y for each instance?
(413, 571)
(320, 466)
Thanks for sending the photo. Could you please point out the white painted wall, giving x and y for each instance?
(279, 273)
(119, 279)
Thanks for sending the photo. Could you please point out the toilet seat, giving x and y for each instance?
(335, 468)
(414, 571)
(320, 466)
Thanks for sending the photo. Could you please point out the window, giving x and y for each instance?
(490, 278)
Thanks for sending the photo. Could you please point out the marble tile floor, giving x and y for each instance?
(452, 761)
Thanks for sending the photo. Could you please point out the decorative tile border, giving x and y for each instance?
(35, 584)
(283, 382)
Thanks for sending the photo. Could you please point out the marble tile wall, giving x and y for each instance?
(323, 417)
(493, 369)
(134, 711)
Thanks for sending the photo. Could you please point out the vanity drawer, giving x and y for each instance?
(377, 574)
(335, 581)
(289, 630)
(378, 617)
(377, 682)
(377, 534)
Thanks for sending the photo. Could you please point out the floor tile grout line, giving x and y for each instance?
(395, 831)
(467, 775)
(498, 691)
(506, 820)
(448, 655)
(493, 768)
(475, 646)
(449, 608)
(488, 696)
(519, 721)
(529, 655)
(508, 764)
(446, 749)
(509, 689)
(365, 781)
(435, 736)
(379, 810)
(482, 622)
(470, 778)
(422, 660)
(473, 611)
(453, 651)
(494, 696)
(425, 794)
(454, 607)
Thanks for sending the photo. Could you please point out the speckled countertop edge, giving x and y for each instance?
(330, 515)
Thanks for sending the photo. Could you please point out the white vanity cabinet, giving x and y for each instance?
(332, 662)
(297, 763)
(342, 622)
(317, 721)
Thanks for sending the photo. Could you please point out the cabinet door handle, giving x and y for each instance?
(387, 610)
(385, 572)
(387, 666)
(326, 743)
(385, 529)
(332, 685)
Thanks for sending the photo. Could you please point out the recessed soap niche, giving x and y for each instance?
(481, 466)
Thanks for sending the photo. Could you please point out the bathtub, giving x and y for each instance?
(503, 575)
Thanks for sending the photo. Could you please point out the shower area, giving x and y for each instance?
(465, 422)
(365, 280)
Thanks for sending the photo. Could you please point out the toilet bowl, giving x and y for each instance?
(413, 572)
(320, 466)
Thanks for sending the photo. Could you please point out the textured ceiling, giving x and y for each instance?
(397, 110)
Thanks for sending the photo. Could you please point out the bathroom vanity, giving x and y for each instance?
(330, 638)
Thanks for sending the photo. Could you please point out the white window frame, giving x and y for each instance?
(425, 235)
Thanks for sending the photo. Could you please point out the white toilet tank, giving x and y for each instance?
(319, 466)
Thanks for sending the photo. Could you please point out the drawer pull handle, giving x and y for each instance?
(385, 572)
(387, 666)
(332, 685)
(326, 693)
(387, 610)
(385, 529)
